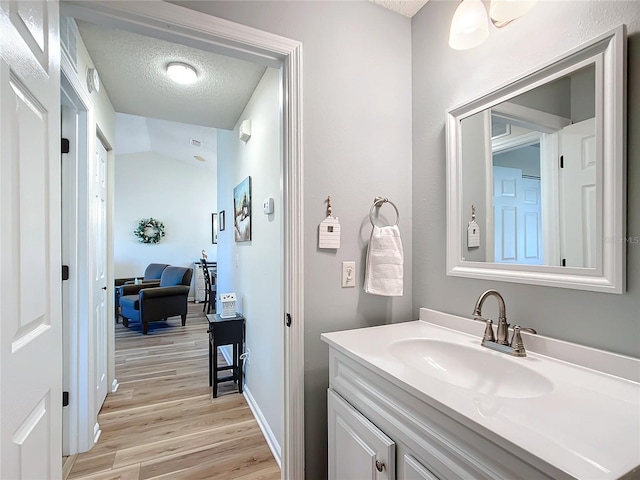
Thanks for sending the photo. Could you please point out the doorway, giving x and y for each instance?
(177, 24)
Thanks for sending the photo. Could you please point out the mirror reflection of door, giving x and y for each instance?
(517, 214)
(577, 185)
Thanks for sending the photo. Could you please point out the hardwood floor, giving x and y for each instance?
(162, 421)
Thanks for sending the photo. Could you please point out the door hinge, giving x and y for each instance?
(288, 322)
(64, 145)
(65, 272)
(65, 399)
(564, 262)
(561, 161)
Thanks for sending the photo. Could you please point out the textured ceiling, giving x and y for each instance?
(132, 69)
(408, 8)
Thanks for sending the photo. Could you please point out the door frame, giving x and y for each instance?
(80, 420)
(178, 24)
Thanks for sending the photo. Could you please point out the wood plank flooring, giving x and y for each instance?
(162, 422)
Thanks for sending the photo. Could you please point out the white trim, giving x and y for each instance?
(530, 117)
(608, 52)
(77, 334)
(264, 426)
(173, 23)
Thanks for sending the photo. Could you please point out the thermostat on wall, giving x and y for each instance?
(267, 206)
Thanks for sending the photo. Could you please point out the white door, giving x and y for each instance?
(517, 217)
(99, 225)
(30, 275)
(578, 194)
(357, 448)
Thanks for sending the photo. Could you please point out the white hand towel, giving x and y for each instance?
(385, 262)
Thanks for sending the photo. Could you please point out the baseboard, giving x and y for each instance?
(67, 465)
(96, 433)
(227, 353)
(264, 426)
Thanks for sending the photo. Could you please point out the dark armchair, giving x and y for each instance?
(145, 304)
(151, 277)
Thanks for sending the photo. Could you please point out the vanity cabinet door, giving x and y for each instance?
(357, 448)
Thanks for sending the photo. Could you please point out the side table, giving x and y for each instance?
(225, 331)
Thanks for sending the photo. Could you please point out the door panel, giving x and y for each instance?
(517, 217)
(30, 283)
(578, 194)
(356, 445)
(99, 216)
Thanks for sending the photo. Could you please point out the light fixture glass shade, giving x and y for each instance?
(181, 73)
(470, 25)
(507, 10)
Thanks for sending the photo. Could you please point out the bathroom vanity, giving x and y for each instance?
(424, 400)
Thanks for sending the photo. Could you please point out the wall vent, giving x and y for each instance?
(69, 39)
(194, 142)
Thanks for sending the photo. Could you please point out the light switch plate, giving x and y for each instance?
(348, 274)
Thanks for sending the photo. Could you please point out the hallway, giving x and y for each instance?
(162, 421)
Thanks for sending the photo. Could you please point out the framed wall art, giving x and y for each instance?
(242, 210)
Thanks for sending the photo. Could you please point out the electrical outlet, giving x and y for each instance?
(348, 274)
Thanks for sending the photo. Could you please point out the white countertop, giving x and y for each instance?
(588, 425)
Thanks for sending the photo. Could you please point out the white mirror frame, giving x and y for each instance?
(608, 52)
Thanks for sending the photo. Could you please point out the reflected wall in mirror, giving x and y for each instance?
(542, 162)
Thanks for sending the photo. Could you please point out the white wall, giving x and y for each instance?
(182, 196)
(357, 144)
(253, 270)
(443, 77)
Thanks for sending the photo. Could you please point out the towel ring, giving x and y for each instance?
(377, 203)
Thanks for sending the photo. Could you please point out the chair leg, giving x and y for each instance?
(184, 319)
(145, 328)
(125, 322)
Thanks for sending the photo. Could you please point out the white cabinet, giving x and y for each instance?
(199, 288)
(412, 469)
(357, 448)
(370, 419)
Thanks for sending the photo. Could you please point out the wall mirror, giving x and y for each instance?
(536, 174)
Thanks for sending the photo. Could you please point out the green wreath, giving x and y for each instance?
(149, 230)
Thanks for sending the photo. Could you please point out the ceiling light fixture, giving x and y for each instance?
(181, 73)
(504, 11)
(470, 24)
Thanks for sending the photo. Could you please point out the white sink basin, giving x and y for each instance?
(471, 368)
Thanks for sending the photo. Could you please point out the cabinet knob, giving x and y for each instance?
(379, 465)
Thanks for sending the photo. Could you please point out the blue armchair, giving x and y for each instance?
(151, 277)
(145, 304)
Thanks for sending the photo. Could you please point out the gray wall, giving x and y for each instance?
(605, 321)
(357, 144)
(253, 270)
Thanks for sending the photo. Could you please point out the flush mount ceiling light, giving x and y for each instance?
(181, 73)
(470, 24)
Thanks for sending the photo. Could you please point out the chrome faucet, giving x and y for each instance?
(500, 342)
(503, 326)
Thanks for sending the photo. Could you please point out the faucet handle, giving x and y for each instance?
(516, 340)
(488, 331)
